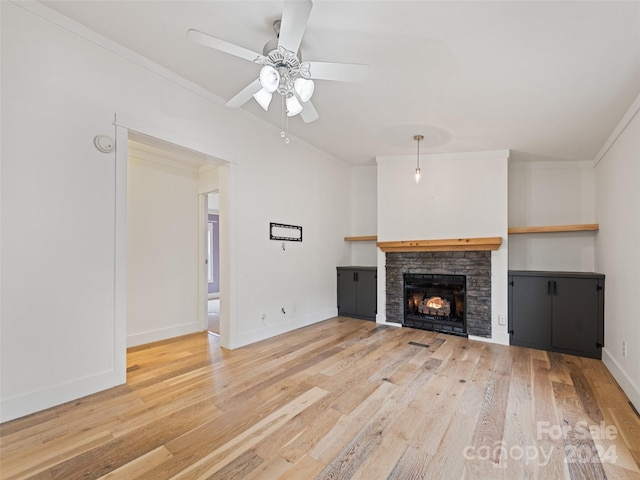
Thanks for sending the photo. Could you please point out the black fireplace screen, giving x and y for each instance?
(435, 302)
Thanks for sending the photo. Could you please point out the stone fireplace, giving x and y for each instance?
(448, 291)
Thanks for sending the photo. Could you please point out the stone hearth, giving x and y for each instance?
(476, 265)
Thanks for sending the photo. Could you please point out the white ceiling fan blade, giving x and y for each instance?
(342, 72)
(294, 21)
(217, 44)
(309, 112)
(245, 94)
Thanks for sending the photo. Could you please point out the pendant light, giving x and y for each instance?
(418, 138)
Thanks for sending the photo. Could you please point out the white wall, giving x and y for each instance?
(459, 196)
(364, 216)
(551, 193)
(617, 255)
(162, 251)
(60, 88)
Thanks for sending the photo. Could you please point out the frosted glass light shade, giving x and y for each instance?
(304, 88)
(294, 107)
(269, 78)
(263, 98)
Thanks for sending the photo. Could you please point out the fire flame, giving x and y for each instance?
(435, 302)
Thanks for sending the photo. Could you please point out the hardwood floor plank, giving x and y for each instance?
(239, 468)
(551, 447)
(29, 463)
(519, 415)
(411, 466)
(238, 445)
(141, 465)
(559, 370)
(415, 384)
(213, 433)
(581, 455)
(111, 455)
(299, 435)
(439, 400)
(489, 430)
(349, 425)
(305, 468)
(272, 467)
(394, 441)
(448, 460)
(343, 398)
(362, 445)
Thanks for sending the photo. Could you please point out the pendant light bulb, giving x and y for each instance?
(418, 174)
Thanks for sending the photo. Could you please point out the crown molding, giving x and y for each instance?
(48, 14)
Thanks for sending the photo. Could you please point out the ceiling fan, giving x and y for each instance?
(283, 70)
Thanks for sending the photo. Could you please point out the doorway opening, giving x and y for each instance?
(166, 277)
(213, 262)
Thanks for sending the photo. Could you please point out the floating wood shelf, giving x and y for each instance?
(455, 244)
(583, 227)
(365, 238)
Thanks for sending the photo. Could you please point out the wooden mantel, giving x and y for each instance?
(454, 244)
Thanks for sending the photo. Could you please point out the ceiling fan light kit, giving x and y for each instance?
(269, 78)
(304, 87)
(283, 70)
(263, 97)
(294, 107)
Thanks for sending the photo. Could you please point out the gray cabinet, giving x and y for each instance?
(557, 311)
(357, 292)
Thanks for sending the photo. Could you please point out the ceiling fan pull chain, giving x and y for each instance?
(282, 117)
(284, 133)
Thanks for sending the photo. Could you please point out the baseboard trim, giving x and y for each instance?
(626, 383)
(283, 327)
(22, 405)
(150, 336)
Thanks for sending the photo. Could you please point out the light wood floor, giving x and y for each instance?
(342, 399)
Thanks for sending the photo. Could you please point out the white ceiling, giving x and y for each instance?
(544, 79)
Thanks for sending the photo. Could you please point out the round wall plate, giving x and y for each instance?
(103, 143)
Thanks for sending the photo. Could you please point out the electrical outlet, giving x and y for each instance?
(624, 348)
(502, 319)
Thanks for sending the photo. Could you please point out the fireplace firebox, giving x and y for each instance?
(435, 302)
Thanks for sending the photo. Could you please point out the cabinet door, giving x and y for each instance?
(367, 293)
(575, 314)
(347, 293)
(530, 315)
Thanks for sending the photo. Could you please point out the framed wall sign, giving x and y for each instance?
(280, 231)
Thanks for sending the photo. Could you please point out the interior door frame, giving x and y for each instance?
(227, 173)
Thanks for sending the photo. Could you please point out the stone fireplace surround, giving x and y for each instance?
(476, 265)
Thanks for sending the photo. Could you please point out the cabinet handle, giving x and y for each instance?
(555, 288)
(548, 287)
